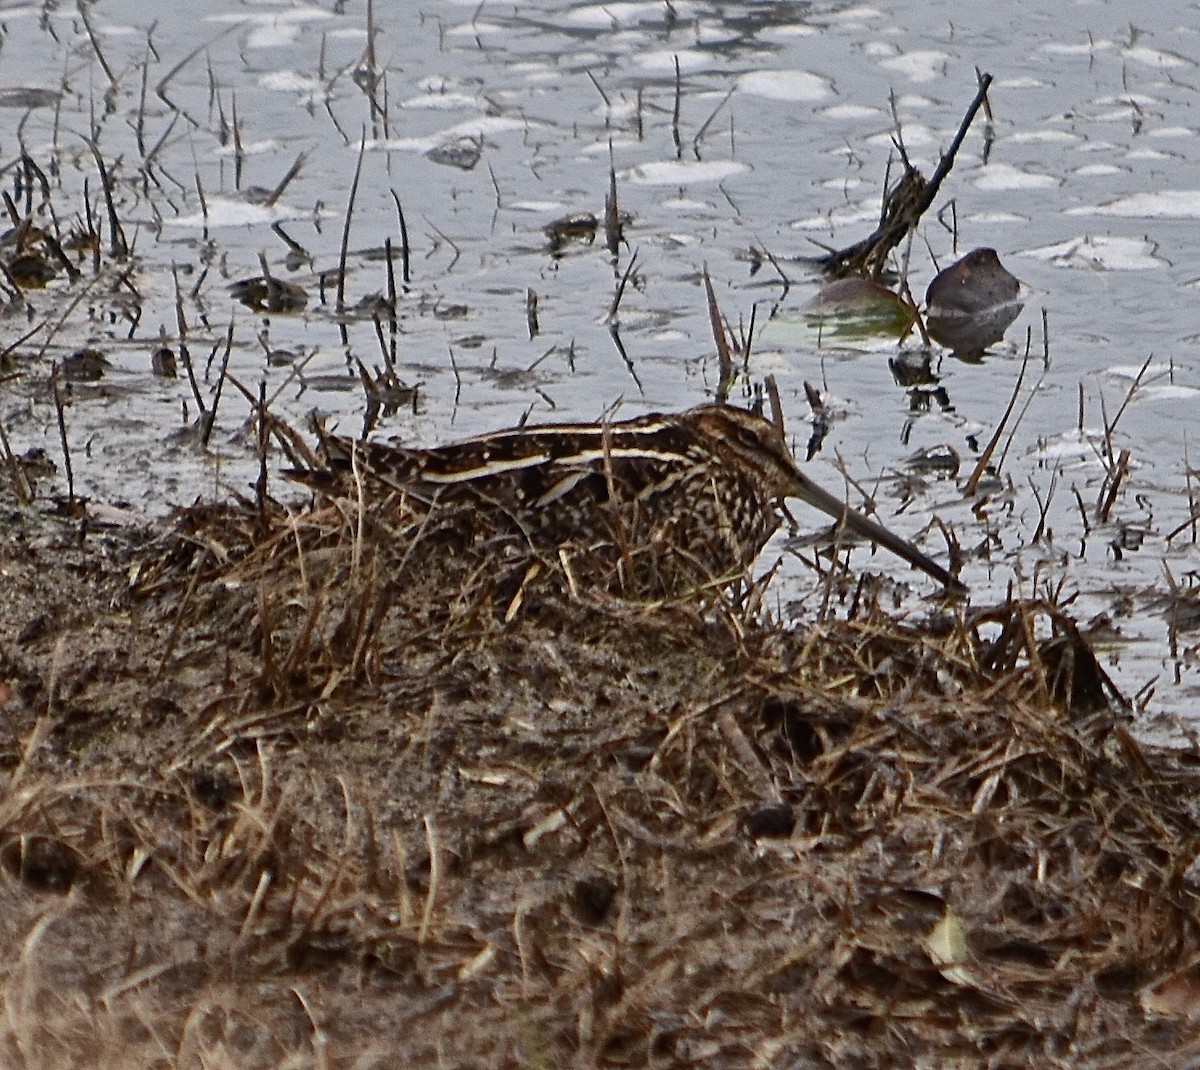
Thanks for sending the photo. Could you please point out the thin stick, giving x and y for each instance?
(212, 415)
(404, 253)
(449, 241)
(1044, 507)
(14, 215)
(495, 185)
(393, 325)
(284, 182)
(1118, 475)
(1024, 408)
(748, 341)
(675, 113)
(239, 152)
(903, 205)
(81, 7)
(1189, 522)
(294, 447)
(613, 235)
(21, 485)
(118, 247)
(774, 262)
(708, 122)
(614, 332)
(603, 95)
(947, 160)
(62, 433)
(531, 313)
(1109, 428)
(986, 456)
(724, 357)
(158, 145)
(1045, 340)
(1087, 527)
(260, 485)
(776, 404)
(160, 90)
(616, 304)
(184, 353)
(435, 879)
(1191, 488)
(341, 288)
(140, 122)
(23, 339)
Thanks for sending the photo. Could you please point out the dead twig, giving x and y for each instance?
(904, 205)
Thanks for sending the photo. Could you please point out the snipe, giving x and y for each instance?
(651, 505)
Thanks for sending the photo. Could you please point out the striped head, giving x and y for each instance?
(752, 445)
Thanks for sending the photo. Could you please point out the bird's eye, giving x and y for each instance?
(749, 438)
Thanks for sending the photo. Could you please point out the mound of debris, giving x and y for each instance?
(287, 788)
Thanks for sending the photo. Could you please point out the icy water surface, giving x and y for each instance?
(485, 122)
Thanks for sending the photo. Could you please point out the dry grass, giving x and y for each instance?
(300, 799)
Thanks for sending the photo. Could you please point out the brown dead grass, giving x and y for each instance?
(298, 797)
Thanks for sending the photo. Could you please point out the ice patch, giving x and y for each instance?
(1168, 392)
(997, 217)
(785, 85)
(1084, 48)
(916, 135)
(682, 172)
(926, 65)
(615, 16)
(288, 82)
(1156, 57)
(1020, 83)
(849, 111)
(274, 28)
(535, 206)
(837, 219)
(665, 59)
(1042, 136)
(475, 29)
(1166, 204)
(441, 102)
(223, 212)
(1071, 445)
(1003, 176)
(852, 15)
(481, 127)
(250, 148)
(1101, 252)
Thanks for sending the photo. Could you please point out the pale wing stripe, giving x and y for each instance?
(638, 452)
(562, 487)
(641, 426)
(490, 468)
(516, 464)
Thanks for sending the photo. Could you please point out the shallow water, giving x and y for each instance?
(1085, 185)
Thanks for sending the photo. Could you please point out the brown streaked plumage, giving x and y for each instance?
(652, 504)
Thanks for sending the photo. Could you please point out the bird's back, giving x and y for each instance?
(652, 504)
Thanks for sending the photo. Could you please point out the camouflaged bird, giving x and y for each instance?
(652, 505)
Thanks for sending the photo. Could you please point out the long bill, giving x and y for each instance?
(819, 498)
